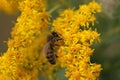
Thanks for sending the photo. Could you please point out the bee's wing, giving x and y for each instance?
(45, 48)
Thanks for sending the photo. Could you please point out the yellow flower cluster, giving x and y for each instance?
(9, 6)
(21, 61)
(74, 28)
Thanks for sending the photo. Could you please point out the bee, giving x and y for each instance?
(51, 47)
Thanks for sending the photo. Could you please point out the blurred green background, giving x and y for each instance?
(107, 53)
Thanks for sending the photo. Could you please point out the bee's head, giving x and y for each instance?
(52, 36)
(55, 34)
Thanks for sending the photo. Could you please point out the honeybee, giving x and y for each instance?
(51, 47)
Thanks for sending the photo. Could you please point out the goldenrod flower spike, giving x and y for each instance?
(21, 61)
(74, 55)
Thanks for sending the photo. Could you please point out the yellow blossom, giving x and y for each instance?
(9, 6)
(20, 62)
(24, 60)
(74, 55)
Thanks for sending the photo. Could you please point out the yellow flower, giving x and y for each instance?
(9, 6)
(74, 55)
(21, 61)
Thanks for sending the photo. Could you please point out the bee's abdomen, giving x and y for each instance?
(51, 58)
